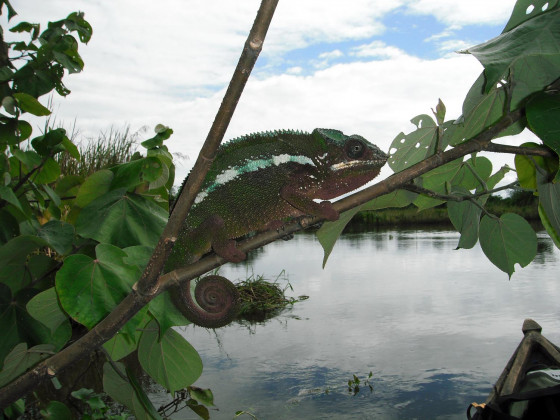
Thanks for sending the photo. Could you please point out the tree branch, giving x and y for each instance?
(517, 150)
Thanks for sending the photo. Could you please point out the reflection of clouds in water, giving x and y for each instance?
(436, 326)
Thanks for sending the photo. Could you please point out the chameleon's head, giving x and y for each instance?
(352, 161)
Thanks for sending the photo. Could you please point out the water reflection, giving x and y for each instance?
(435, 325)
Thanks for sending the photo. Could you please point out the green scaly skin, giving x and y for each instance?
(256, 183)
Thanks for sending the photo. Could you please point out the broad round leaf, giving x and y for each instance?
(94, 186)
(507, 241)
(171, 361)
(164, 311)
(122, 219)
(44, 308)
(59, 235)
(127, 392)
(407, 150)
(465, 217)
(89, 288)
(20, 359)
(13, 260)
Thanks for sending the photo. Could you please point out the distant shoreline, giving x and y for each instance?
(436, 215)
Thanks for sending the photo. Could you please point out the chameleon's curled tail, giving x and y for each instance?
(216, 302)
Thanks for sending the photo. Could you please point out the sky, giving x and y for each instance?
(364, 67)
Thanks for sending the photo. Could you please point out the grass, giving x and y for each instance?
(109, 149)
(261, 299)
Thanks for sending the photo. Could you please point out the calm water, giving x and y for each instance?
(433, 324)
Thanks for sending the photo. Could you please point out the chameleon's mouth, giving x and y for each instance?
(362, 164)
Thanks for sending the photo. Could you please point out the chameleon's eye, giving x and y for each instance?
(354, 149)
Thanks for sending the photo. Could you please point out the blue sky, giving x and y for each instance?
(365, 67)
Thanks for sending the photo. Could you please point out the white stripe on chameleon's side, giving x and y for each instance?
(230, 174)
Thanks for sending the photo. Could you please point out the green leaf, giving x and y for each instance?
(465, 216)
(70, 60)
(49, 143)
(11, 10)
(89, 288)
(59, 236)
(18, 326)
(122, 391)
(9, 227)
(68, 185)
(552, 232)
(543, 117)
(407, 150)
(171, 361)
(330, 231)
(29, 158)
(94, 186)
(528, 9)
(28, 103)
(507, 241)
(162, 133)
(165, 312)
(395, 199)
(57, 411)
(122, 219)
(121, 345)
(465, 177)
(44, 307)
(480, 110)
(48, 173)
(526, 166)
(8, 195)
(528, 48)
(203, 396)
(141, 395)
(136, 172)
(13, 260)
(549, 209)
(437, 181)
(20, 359)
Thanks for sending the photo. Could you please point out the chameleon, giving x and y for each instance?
(257, 182)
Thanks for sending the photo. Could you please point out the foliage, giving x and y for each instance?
(75, 237)
(521, 73)
(355, 382)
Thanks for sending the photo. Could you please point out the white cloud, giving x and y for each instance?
(460, 12)
(170, 63)
(377, 49)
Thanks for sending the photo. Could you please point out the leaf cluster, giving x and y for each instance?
(73, 243)
(521, 74)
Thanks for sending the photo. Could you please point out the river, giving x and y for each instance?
(434, 325)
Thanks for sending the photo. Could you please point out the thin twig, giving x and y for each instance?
(517, 150)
